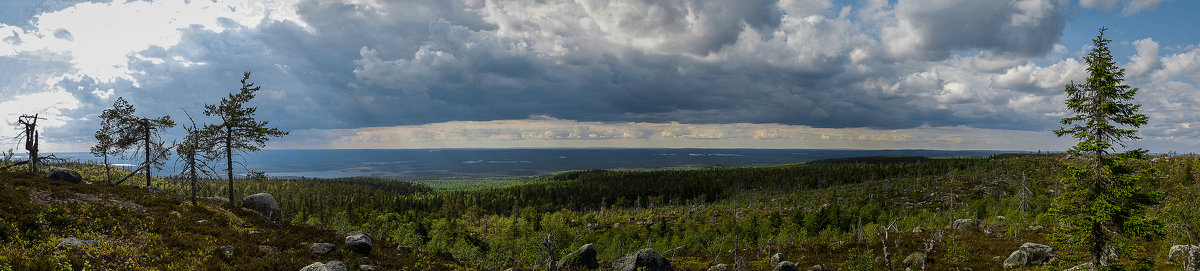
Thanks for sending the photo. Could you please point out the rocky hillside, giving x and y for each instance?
(69, 224)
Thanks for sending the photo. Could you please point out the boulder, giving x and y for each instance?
(819, 267)
(404, 249)
(358, 241)
(320, 248)
(777, 258)
(66, 175)
(719, 267)
(1088, 266)
(1180, 253)
(367, 267)
(1038, 254)
(584, 257)
(228, 250)
(918, 230)
(647, 259)
(335, 266)
(72, 242)
(330, 266)
(263, 203)
(965, 223)
(786, 266)
(915, 259)
(1016, 259)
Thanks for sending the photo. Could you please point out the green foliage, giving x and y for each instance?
(121, 130)
(1104, 202)
(238, 131)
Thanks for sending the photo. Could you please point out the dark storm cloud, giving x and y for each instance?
(419, 62)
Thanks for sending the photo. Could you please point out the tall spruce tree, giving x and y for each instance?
(238, 130)
(1103, 206)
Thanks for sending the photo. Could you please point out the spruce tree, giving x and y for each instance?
(1104, 202)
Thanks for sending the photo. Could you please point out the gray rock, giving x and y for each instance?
(584, 257)
(63, 174)
(72, 242)
(404, 249)
(330, 266)
(819, 267)
(786, 266)
(367, 267)
(154, 190)
(915, 259)
(1039, 254)
(1016, 259)
(918, 230)
(358, 241)
(263, 203)
(645, 258)
(1082, 267)
(316, 266)
(321, 248)
(335, 266)
(719, 267)
(1179, 253)
(228, 250)
(965, 223)
(777, 258)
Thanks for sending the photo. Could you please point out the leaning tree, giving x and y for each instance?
(238, 130)
(105, 145)
(128, 130)
(1104, 204)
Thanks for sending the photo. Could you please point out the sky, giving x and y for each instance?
(365, 74)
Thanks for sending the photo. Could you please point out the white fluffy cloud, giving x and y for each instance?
(626, 72)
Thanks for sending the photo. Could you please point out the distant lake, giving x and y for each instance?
(427, 164)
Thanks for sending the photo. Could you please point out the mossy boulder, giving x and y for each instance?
(66, 175)
(646, 260)
(360, 242)
(584, 257)
(263, 203)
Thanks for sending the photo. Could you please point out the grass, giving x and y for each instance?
(827, 213)
(136, 230)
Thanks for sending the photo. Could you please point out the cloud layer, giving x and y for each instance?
(798, 64)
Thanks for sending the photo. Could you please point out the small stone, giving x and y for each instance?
(228, 250)
(719, 267)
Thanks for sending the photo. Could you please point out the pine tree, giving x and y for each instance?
(105, 145)
(128, 130)
(238, 130)
(1104, 202)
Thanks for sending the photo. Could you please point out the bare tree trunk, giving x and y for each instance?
(33, 152)
(192, 165)
(146, 125)
(229, 159)
(107, 171)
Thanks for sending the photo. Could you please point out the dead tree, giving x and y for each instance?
(195, 144)
(549, 253)
(31, 139)
(883, 238)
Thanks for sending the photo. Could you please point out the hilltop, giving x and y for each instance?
(961, 213)
(55, 225)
